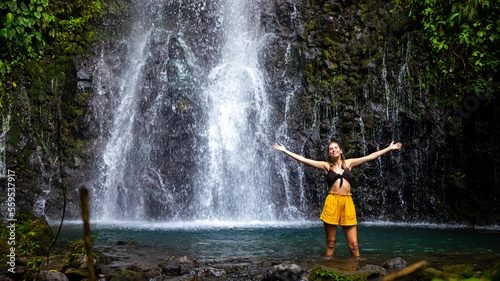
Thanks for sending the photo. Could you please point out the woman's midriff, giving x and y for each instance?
(345, 189)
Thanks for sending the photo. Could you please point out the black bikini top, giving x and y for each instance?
(332, 177)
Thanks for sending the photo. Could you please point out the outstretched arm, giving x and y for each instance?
(316, 164)
(358, 161)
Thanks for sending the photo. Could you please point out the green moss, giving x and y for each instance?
(320, 273)
(465, 270)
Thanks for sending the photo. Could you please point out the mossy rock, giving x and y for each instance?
(429, 274)
(55, 262)
(75, 274)
(465, 270)
(35, 234)
(4, 251)
(42, 234)
(128, 275)
(25, 215)
(326, 273)
(77, 247)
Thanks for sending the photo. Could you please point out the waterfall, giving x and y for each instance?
(185, 119)
(3, 139)
(114, 197)
(234, 171)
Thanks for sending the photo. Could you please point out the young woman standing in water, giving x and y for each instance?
(339, 207)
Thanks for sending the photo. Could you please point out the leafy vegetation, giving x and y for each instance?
(37, 39)
(464, 37)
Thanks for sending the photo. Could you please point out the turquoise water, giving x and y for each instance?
(302, 242)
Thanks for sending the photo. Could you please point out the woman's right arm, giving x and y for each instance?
(322, 165)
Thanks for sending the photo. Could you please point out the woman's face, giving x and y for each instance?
(334, 150)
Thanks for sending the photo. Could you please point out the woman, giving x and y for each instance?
(339, 207)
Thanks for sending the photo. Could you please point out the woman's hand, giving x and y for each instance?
(279, 147)
(394, 146)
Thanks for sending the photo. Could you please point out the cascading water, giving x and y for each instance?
(235, 177)
(190, 136)
(3, 137)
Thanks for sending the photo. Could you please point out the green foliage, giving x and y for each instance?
(23, 23)
(24, 234)
(37, 39)
(35, 264)
(464, 37)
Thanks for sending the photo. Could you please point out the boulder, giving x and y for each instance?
(177, 265)
(35, 239)
(465, 270)
(75, 274)
(429, 274)
(285, 271)
(51, 275)
(395, 264)
(412, 272)
(129, 275)
(372, 267)
(149, 270)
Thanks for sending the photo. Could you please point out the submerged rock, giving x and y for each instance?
(406, 274)
(285, 271)
(395, 264)
(372, 267)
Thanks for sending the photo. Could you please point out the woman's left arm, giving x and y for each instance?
(358, 161)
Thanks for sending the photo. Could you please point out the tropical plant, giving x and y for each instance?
(464, 37)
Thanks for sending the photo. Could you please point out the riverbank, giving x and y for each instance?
(130, 261)
(255, 251)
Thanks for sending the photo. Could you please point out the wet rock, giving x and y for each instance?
(208, 272)
(395, 264)
(465, 270)
(373, 267)
(55, 262)
(186, 277)
(128, 275)
(46, 275)
(406, 274)
(429, 274)
(149, 270)
(178, 265)
(81, 262)
(284, 271)
(74, 274)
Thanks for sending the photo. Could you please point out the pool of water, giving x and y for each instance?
(302, 242)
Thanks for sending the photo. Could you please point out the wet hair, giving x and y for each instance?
(342, 157)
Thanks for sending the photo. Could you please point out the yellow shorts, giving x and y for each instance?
(339, 209)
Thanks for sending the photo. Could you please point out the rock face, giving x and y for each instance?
(349, 71)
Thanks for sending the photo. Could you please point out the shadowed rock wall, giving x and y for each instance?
(348, 71)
